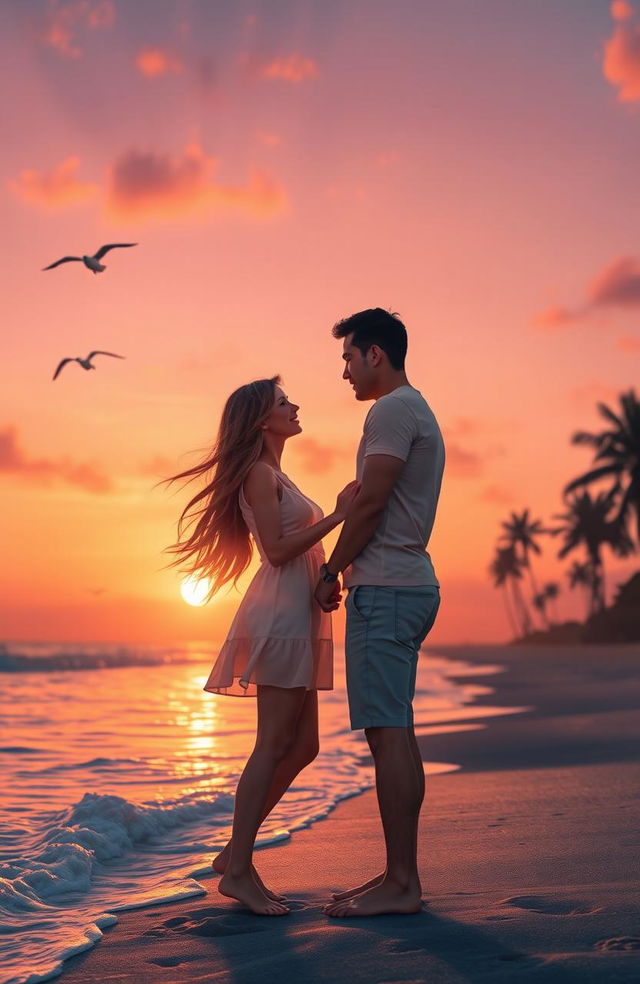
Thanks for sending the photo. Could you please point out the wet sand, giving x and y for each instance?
(528, 856)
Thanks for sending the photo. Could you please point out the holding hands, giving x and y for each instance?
(328, 590)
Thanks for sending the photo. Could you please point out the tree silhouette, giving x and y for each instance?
(617, 456)
(506, 570)
(522, 533)
(580, 575)
(587, 522)
(551, 591)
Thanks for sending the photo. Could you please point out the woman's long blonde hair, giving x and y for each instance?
(213, 538)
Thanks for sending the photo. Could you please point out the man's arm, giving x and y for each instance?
(380, 474)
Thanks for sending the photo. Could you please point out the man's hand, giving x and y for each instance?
(328, 595)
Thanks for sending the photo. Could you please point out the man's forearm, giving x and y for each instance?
(359, 527)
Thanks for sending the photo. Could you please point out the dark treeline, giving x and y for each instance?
(591, 521)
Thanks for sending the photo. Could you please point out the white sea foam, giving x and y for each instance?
(120, 784)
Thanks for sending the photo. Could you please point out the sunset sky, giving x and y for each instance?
(473, 166)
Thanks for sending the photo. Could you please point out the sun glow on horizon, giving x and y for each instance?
(194, 590)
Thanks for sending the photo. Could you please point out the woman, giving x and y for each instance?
(279, 647)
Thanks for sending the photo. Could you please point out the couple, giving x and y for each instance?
(279, 647)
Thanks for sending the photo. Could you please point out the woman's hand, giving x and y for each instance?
(345, 499)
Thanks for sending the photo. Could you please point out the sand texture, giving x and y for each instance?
(529, 857)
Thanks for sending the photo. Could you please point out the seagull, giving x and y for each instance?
(85, 363)
(91, 262)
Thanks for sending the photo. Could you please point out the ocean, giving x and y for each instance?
(118, 775)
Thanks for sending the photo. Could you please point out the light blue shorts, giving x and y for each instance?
(385, 628)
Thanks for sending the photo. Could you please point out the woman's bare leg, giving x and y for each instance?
(301, 754)
(278, 712)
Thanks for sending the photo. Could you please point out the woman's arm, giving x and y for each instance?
(261, 492)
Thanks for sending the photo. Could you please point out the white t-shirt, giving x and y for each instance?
(403, 425)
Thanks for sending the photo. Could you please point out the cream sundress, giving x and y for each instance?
(280, 636)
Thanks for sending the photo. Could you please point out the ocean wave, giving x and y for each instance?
(45, 658)
(98, 829)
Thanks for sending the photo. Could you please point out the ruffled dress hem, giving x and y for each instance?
(245, 664)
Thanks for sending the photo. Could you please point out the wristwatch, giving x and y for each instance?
(326, 575)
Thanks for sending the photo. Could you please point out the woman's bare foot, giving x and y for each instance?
(387, 897)
(245, 890)
(219, 865)
(349, 894)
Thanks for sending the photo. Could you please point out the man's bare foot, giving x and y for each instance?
(349, 894)
(246, 890)
(219, 865)
(387, 897)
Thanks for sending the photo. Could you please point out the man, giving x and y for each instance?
(393, 594)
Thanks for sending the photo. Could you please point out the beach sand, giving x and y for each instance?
(529, 856)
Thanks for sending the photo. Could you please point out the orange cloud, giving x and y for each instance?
(43, 471)
(621, 63)
(147, 184)
(461, 463)
(317, 457)
(57, 188)
(593, 392)
(496, 494)
(555, 317)
(627, 343)
(290, 68)
(152, 62)
(63, 21)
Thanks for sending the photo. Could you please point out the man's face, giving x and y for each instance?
(357, 370)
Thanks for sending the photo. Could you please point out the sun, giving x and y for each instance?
(195, 589)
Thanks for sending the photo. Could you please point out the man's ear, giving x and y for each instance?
(374, 354)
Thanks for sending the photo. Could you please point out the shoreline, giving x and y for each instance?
(526, 854)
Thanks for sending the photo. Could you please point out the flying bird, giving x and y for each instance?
(85, 363)
(91, 262)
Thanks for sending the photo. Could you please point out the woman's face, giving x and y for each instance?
(283, 418)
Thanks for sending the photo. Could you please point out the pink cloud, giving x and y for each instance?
(318, 457)
(147, 184)
(617, 284)
(290, 68)
(42, 471)
(269, 139)
(621, 62)
(64, 21)
(627, 343)
(153, 62)
(53, 189)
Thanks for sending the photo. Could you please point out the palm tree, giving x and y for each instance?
(522, 532)
(618, 455)
(539, 601)
(587, 523)
(551, 591)
(581, 575)
(505, 568)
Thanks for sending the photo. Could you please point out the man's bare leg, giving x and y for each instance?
(417, 757)
(400, 789)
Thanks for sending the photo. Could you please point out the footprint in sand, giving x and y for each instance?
(220, 926)
(173, 961)
(551, 906)
(618, 943)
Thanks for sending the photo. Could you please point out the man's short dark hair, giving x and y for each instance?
(375, 326)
